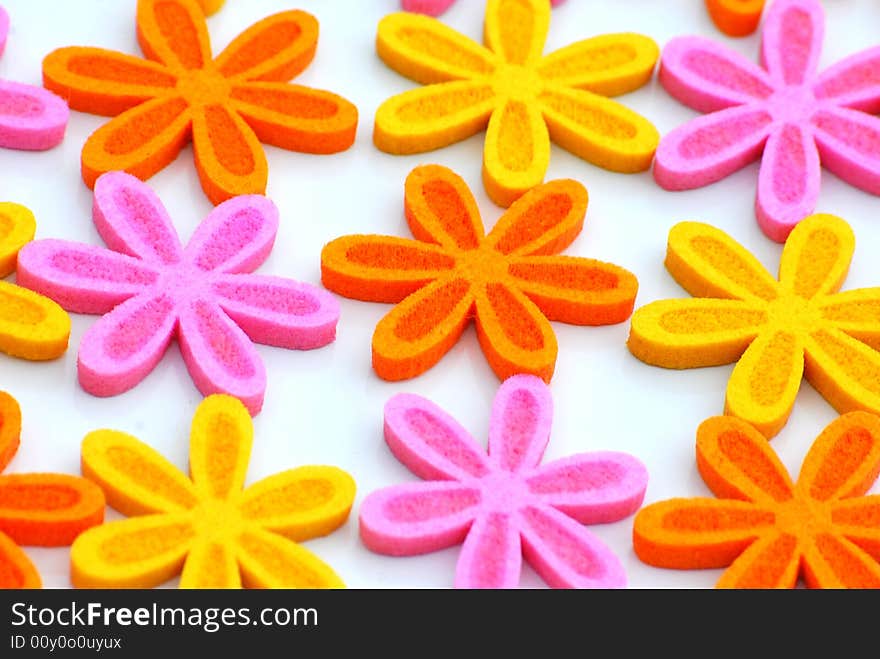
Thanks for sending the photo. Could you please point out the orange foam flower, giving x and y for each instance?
(767, 529)
(47, 510)
(511, 280)
(736, 17)
(227, 105)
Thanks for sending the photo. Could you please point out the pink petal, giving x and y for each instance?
(566, 554)
(519, 427)
(791, 40)
(430, 7)
(219, 356)
(849, 145)
(4, 29)
(124, 346)
(593, 488)
(278, 312)
(430, 442)
(31, 118)
(131, 219)
(707, 76)
(237, 236)
(853, 82)
(788, 182)
(417, 518)
(491, 556)
(82, 278)
(707, 149)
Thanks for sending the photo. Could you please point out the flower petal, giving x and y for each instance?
(17, 228)
(816, 256)
(32, 118)
(517, 29)
(766, 380)
(430, 442)
(704, 75)
(709, 263)
(832, 561)
(210, 564)
(609, 64)
(414, 335)
(791, 40)
(123, 347)
(174, 33)
(220, 441)
(429, 7)
(295, 117)
(32, 326)
(736, 17)
(104, 82)
(417, 518)
(142, 552)
(710, 148)
(274, 49)
(135, 478)
(858, 520)
(10, 428)
(853, 82)
(566, 554)
(849, 145)
(300, 504)
(519, 428)
(219, 355)
(491, 556)
(270, 561)
(691, 333)
(593, 488)
(844, 370)
(855, 312)
(140, 141)
(598, 129)
(771, 562)
(575, 290)
(16, 569)
(441, 209)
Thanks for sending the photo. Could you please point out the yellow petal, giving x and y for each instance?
(816, 256)
(270, 561)
(855, 312)
(517, 29)
(845, 371)
(210, 564)
(220, 443)
(17, 227)
(32, 326)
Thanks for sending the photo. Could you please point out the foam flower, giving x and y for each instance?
(226, 105)
(209, 529)
(152, 289)
(736, 17)
(768, 530)
(522, 99)
(502, 506)
(46, 510)
(211, 6)
(783, 109)
(511, 281)
(437, 7)
(777, 332)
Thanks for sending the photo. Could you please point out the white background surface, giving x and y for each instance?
(325, 406)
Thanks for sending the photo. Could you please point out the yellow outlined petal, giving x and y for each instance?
(17, 228)
(210, 564)
(517, 29)
(220, 443)
(845, 371)
(32, 326)
(816, 256)
(855, 312)
(270, 561)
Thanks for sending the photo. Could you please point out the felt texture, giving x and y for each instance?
(777, 332)
(511, 281)
(768, 530)
(226, 106)
(783, 112)
(736, 18)
(437, 7)
(520, 98)
(45, 510)
(152, 289)
(209, 528)
(501, 506)
(31, 118)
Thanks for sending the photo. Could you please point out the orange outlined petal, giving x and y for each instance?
(414, 335)
(10, 428)
(16, 569)
(855, 312)
(220, 441)
(381, 268)
(845, 371)
(858, 520)
(17, 227)
(135, 478)
(210, 564)
(274, 49)
(32, 326)
(691, 333)
(816, 256)
(736, 17)
(211, 6)
(771, 562)
(300, 504)
(269, 561)
(440, 208)
(517, 29)
(103, 81)
(174, 33)
(831, 561)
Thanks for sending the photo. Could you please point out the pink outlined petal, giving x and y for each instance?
(519, 427)
(853, 82)
(709, 148)
(132, 220)
(82, 278)
(788, 181)
(417, 518)
(124, 346)
(31, 118)
(849, 145)
(593, 488)
(237, 236)
(491, 556)
(791, 40)
(278, 312)
(566, 554)
(430, 442)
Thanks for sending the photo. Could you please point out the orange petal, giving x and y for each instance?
(16, 569)
(771, 562)
(441, 209)
(210, 6)
(816, 256)
(517, 29)
(173, 32)
(10, 428)
(858, 520)
(736, 17)
(17, 228)
(275, 48)
(832, 561)
(220, 441)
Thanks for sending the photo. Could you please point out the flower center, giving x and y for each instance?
(516, 82)
(503, 492)
(203, 87)
(184, 281)
(803, 518)
(793, 312)
(216, 519)
(793, 104)
(482, 265)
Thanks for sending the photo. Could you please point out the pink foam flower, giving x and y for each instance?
(151, 289)
(502, 506)
(784, 110)
(437, 7)
(31, 118)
